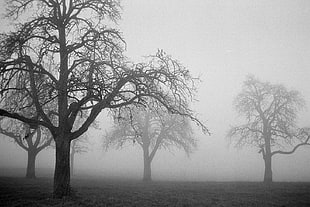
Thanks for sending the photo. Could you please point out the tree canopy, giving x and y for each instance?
(65, 53)
(157, 128)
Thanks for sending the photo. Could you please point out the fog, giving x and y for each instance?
(221, 42)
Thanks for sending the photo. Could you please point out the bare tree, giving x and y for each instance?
(152, 130)
(271, 112)
(32, 141)
(65, 53)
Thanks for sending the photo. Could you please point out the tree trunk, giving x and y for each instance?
(268, 170)
(268, 155)
(31, 164)
(62, 168)
(147, 173)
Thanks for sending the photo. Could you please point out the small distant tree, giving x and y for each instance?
(151, 130)
(32, 141)
(78, 146)
(271, 112)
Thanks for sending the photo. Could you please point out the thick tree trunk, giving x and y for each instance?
(267, 155)
(31, 164)
(62, 168)
(147, 173)
(268, 170)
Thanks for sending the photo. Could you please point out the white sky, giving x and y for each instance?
(223, 41)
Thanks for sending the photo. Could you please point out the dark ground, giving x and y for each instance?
(17, 191)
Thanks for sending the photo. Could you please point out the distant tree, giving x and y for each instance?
(271, 112)
(66, 53)
(152, 130)
(78, 146)
(82, 144)
(31, 138)
(32, 141)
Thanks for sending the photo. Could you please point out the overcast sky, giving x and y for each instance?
(222, 42)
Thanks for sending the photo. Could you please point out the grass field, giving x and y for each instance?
(16, 191)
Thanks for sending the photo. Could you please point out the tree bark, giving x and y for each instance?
(267, 159)
(268, 170)
(31, 164)
(267, 155)
(147, 173)
(62, 167)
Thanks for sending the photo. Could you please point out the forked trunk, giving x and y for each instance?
(268, 170)
(62, 168)
(31, 164)
(147, 173)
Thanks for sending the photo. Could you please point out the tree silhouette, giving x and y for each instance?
(271, 112)
(152, 130)
(65, 53)
(32, 141)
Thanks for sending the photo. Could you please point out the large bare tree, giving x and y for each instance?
(32, 141)
(65, 53)
(271, 112)
(152, 130)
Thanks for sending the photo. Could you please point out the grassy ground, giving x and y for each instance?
(96, 192)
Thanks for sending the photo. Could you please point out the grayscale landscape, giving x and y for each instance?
(154, 103)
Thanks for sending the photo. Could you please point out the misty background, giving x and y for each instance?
(221, 42)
